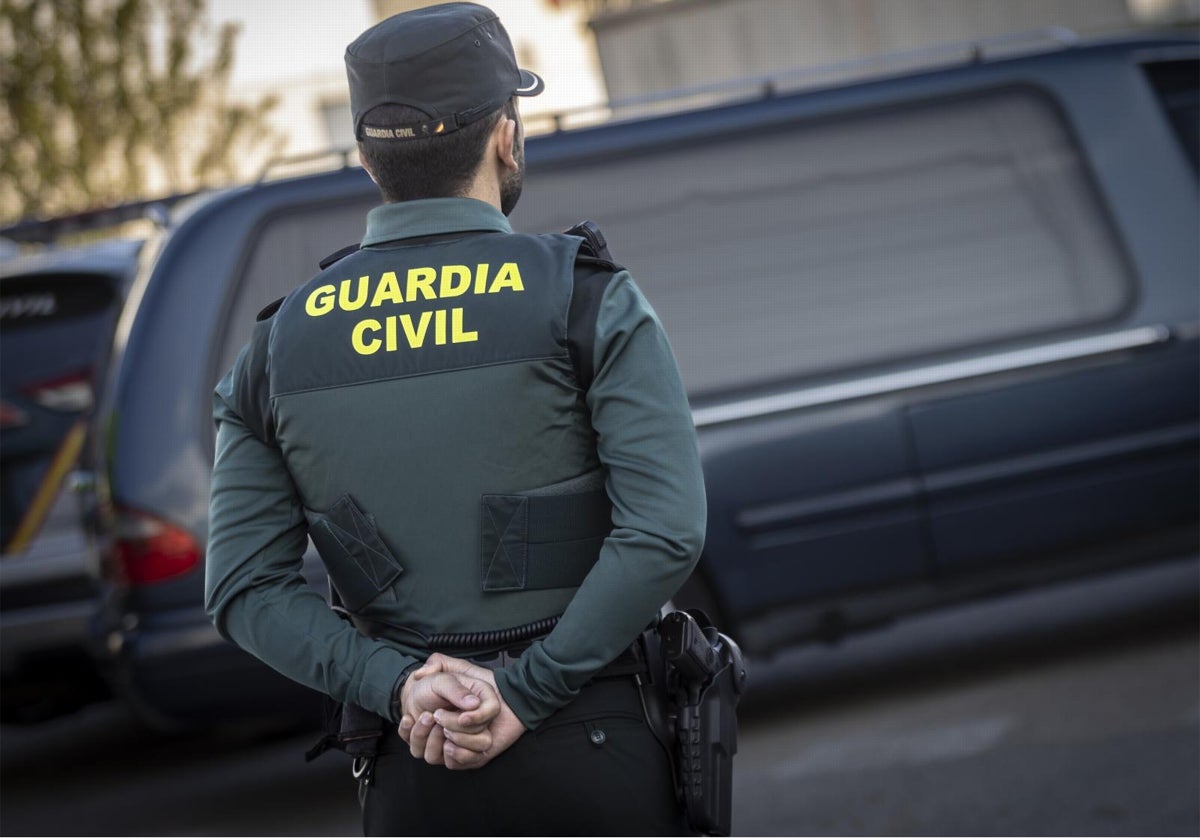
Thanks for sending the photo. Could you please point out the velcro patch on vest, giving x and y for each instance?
(504, 542)
(358, 561)
(547, 538)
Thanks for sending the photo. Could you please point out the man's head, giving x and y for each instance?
(432, 97)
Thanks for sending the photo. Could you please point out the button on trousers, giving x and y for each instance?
(593, 768)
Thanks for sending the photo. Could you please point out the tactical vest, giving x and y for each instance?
(429, 401)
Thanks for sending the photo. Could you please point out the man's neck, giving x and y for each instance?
(484, 187)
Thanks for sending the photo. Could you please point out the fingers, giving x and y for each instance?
(419, 734)
(456, 684)
(458, 758)
(460, 750)
(489, 706)
(452, 690)
(480, 743)
(476, 720)
(436, 663)
(465, 750)
(434, 746)
(452, 721)
(479, 701)
(504, 731)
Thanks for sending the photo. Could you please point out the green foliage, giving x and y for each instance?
(107, 101)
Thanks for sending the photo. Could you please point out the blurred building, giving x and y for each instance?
(597, 51)
(647, 46)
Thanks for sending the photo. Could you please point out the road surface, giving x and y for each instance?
(1072, 710)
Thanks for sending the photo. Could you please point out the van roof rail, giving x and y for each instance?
(346, 153)
(1044, 39)
(46, 231)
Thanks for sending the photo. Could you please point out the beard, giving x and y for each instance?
(510, 187)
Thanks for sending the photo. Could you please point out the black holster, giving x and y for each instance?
(694, 715)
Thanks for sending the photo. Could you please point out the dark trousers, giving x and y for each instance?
(593, 768)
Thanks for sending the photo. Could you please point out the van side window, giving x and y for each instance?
(284, 254)
(823, 245)
(1177, 84)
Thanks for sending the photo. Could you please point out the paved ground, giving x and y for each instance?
(1086, 721)
(1069, 711)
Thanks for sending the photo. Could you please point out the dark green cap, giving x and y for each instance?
(454, 62)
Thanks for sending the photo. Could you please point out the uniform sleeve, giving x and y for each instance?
(647, 442)
(254, 590)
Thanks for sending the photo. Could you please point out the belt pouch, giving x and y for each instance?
(360, 732)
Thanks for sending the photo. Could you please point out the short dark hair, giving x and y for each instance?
(426, 167)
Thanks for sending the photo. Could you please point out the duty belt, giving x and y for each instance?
(628, 662)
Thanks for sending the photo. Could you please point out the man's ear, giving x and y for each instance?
(504, 138)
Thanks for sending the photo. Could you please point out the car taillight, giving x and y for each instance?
(148, 549)
(11, 417)
(72, 392)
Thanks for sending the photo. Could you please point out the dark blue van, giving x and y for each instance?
(939, 331)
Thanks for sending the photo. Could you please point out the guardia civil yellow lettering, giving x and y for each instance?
(413, 330)
(320, 302)
(437, 327)
(358, 338)
(422, 283)
(509, 277)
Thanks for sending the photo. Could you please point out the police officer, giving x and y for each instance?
(485, 435)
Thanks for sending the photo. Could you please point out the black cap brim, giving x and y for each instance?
(531, 84)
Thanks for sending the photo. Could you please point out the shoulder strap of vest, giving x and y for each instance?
(251, 391)
(594, 247)
(338, 254)
(270, 309)
(594, 269)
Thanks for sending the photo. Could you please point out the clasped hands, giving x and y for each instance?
(453, 714)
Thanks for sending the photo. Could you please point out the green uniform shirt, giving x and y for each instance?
(420, 381)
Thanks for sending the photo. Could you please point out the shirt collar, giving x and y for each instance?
(428, 216)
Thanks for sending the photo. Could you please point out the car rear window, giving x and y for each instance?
(824, 245)
(51, 325)
(53, 331)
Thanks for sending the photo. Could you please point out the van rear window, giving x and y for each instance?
(286, 252)
(1177, 84)
(823, 245)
